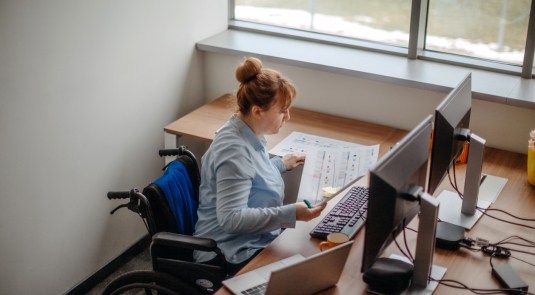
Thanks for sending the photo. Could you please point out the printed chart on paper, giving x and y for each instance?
(302, 142)
(334, 167)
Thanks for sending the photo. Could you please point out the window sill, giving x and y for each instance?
(373, 65)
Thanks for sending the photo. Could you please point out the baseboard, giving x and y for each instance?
(98, 276)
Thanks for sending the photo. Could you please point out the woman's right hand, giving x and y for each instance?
(302, 212)
(293, 160)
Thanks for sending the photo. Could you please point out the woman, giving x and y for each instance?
(241, 190)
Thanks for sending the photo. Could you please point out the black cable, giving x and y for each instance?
(482, 210)
(455, 180)
(515, 237)
(503, 220)
(497, 251)
(405, 240)
(519, 251)
(449, 177)
(477, 290)
(401, 250)
(504, 212)
(509, 249)
(454, 175)
(454, 185)
(412, 229)
(464, 287)
(522, 260)
(470, 248)
(517, 244)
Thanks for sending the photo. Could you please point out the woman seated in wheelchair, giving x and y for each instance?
(241, 190)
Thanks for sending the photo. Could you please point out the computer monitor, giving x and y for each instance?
(451, 132)
(396, 195)
(451, 117)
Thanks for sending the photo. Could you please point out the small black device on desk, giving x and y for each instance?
(347, 217)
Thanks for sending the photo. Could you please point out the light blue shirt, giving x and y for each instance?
(241, 193)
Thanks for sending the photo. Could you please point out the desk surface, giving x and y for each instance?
(471, 268)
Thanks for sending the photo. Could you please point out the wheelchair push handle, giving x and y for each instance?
(169, 152)
(119, 195)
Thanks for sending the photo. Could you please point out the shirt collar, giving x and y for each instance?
(248, 134)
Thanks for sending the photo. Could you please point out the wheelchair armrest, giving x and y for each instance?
(187, 242)
(183, 241)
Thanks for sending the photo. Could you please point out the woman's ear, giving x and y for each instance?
(256, 111)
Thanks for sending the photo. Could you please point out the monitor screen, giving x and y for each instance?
(402, 170)
(451, 116)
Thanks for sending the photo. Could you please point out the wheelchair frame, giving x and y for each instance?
(174, 271)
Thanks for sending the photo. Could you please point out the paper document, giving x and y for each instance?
(333, 167)
(301, 142)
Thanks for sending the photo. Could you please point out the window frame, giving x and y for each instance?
(416, 50)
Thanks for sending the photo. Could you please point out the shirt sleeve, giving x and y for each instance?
(234, 174)
(277, 161)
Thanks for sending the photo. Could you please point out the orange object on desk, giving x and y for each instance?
(431, 143)
(464, 155)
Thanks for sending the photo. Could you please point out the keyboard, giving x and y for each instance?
(256, 290)
(347, 217)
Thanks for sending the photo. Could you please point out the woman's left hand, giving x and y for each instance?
(293, 160)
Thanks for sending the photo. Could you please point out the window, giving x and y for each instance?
(385, 21)
(487, 29)
(494, 32)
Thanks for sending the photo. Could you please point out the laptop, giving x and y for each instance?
(294, 275)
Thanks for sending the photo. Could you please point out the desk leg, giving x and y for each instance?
(171, 141)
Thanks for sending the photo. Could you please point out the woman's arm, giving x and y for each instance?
(234, 174)
(277, 161)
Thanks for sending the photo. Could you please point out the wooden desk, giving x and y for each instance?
(471, 268)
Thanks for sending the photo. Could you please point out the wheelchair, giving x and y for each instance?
(174, 271)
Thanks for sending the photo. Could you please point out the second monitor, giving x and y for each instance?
(396, 196)
(451, 132)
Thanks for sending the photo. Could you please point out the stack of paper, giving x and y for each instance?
(329, 162)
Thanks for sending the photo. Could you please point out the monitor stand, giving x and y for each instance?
(425, 245)
(463, 212)
(425, 249)
(472, 179)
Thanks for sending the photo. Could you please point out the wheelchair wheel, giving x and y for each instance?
(149, 280)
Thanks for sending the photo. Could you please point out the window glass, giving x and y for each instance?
(488, 29)
(386, 21)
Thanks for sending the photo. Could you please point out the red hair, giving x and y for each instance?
(261, 87)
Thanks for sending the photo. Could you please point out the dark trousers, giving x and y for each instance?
(232, 268)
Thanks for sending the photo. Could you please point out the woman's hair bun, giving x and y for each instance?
(248, 70)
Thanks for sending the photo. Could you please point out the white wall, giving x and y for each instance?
(86, 88)
(503, 126)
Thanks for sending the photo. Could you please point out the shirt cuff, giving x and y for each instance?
(277, 161)
(288, 216)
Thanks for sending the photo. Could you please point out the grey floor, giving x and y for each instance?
(140, 262)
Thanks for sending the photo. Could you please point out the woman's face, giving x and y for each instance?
(271, 120)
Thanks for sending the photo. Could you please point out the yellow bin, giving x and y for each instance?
(531, 166)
